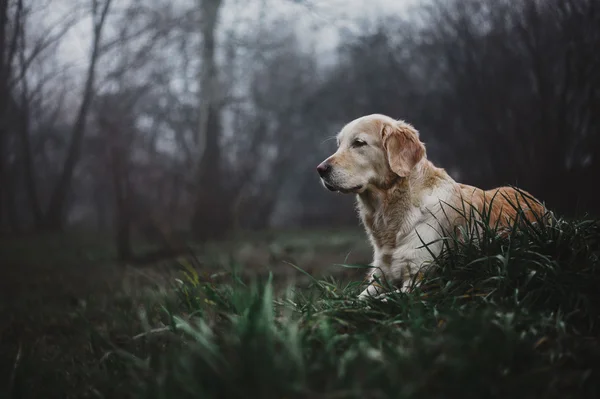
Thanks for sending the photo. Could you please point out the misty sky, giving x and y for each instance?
(318, 22)
(324, 18)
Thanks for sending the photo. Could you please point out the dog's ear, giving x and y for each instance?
(402, 146)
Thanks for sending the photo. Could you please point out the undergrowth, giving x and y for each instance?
(498, 316)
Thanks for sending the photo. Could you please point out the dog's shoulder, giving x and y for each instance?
(432, 185)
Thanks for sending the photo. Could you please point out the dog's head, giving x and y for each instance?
(372, 151)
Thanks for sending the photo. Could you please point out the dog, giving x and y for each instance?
(405, 203)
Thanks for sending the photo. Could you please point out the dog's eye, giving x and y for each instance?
(358, 143)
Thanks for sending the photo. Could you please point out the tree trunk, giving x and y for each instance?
(27, 159)
(123, 209)
(123, 234)
(24, 134)
(100, 203)
(11, 201)
(212, 211)
(55, 213)
(4, 94)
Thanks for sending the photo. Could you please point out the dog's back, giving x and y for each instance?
(500, 207)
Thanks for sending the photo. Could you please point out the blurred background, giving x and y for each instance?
(154, 119)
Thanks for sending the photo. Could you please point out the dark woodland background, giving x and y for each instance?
(164, 233)
(207, 118)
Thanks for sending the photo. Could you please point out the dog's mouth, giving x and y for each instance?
(331, 187)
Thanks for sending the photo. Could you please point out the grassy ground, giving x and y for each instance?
(498, 317)
(64, 302)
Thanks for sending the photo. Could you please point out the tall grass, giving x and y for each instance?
(497, 316)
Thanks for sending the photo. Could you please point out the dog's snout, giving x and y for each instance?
(324, 168)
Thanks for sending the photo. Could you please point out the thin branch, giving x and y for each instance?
(47, 39)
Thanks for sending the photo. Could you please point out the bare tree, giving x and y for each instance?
(11, 13)
(211, 211)
(117, 132)
(55, 212)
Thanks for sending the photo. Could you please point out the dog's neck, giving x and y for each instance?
(395, 188)
(386, 210)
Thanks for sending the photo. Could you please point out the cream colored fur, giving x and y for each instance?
(405, 202)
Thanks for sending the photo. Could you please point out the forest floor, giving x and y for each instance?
(59, 293)
(275, 315)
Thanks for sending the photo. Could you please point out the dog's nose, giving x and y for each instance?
(323, 168)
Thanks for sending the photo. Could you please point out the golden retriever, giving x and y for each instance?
(404, 201)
